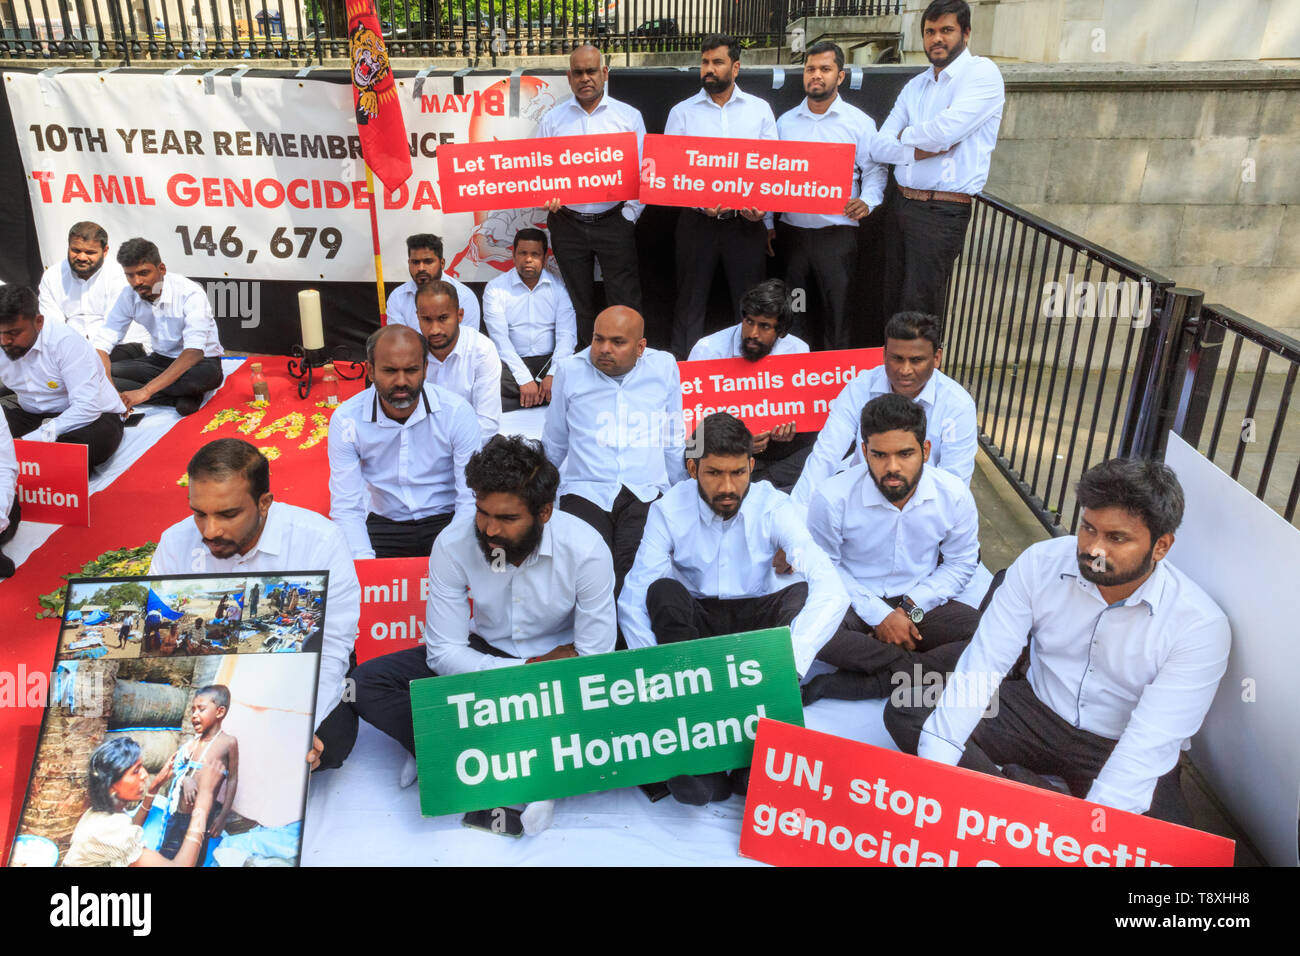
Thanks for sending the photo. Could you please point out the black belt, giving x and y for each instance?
(723, 216)
(590, 217)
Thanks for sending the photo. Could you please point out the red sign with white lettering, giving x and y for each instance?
(53, 482)
(767, 174)
(393, 592)
(819, 800)
(774, 390)
(518, 173)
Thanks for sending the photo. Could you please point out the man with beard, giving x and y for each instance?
(825, 247)
(461, 359)
(398, 452)
(741, 238)
(940, 137)
(1125, 655)
(425, 262)
(705, 563)
(905, 541)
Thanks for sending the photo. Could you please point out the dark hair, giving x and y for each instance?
(826, 46)
(232, 456)
(88, 231)
(375, 337)
(720, 434)
(133, 252)
(530, 234)
(908, 326)
(438, 287)
(1147, 489)
(17, 301)
(940, 8)
(424, 240)
(715, 40)
(107, 765)
(219, 693)
(893, 413)
(515, 465)
(771, 298)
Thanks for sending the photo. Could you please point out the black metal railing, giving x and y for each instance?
(843, 8)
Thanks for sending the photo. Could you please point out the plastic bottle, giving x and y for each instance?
(330, 382)
(261, 392)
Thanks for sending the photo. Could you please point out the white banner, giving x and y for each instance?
(259, 178)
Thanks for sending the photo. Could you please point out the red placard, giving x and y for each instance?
(819, 800)
(767, 174)
(774, 390)
(53, 482)
(517, 173)
(393, 592)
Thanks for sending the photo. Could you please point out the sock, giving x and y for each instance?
(408, 773)
(538, 816)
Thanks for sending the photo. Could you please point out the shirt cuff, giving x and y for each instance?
(933, 747)
(872, 609)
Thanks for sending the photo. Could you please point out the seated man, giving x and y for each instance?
(911, 369)
(186, 358)
(398, 452)
(705, 563)
(9, 507)
(425, 261)
(237, 525)
(531, 320)
(541, 581)
(462, 359)
(1125, 655)
(60, 391)
(80, 290)
(905, 541)
(615, 428)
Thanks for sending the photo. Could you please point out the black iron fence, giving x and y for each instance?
(843, 8)
(1075, 355)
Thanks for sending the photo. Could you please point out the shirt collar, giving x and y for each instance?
(872, 497)
(711, 519)
(737, 96)
(1151, 593)
(374, 413)
(953, 70)
(833, 109)
(517, 280)
(271, 540)
(545, 547)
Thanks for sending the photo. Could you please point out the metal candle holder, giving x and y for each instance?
(304, 361)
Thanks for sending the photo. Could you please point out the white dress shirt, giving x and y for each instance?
(411, 469)
(563, 593)
(60, 376)
(949, 427)
(84, 304)
(1143, 672)
(608, 433)
(8, 473)
(472, 371)
(725, 343)
(883, 551)
(841, 123)
(180, 318)
(401, 304)
(732, 558)
(962, 108)
(609, 116)
(293, 539)
(528, 322)
(742, 117)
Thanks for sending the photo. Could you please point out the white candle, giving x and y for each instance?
(313, 333)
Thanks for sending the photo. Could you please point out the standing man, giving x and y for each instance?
(186, 358)
(60, 391)
(425, 262)
(9, 507)
(615, 427)
(940, 137)
(602, 232)
(530, 318)
(742, 238)
(398, 452)
(461, 359)
(825, 247)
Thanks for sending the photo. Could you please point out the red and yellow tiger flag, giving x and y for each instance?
(379, 114)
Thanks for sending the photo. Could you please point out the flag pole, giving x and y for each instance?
(379, 261)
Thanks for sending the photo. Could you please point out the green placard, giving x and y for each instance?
(555, 729)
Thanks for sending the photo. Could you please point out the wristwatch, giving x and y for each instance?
(911, 610)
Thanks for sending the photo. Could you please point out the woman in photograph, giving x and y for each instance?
(106, 835)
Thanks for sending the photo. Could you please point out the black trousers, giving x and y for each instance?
(384, 692)
(101, 437)
(174, 835)
(126, 352)
(677, 616)
(1025, 732)
(578, 246)
(925, 239)
(829, 256)
(15, 513)
(702, 241)
(510, 388)
(194, 381)
(783, 472)
(621, 527)
(405, 539)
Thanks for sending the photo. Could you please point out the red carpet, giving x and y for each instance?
(136, 509)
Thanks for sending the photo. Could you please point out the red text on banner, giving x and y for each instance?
(53, 486)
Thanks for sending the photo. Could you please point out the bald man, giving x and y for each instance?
(614, 428)
(398, 452)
